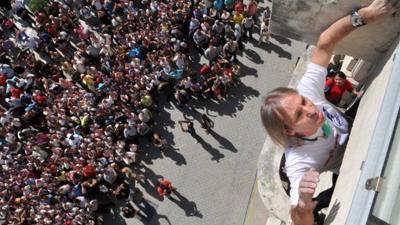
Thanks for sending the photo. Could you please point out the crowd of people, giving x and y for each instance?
(79, 83)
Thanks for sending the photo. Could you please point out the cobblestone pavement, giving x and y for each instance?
(215, 173)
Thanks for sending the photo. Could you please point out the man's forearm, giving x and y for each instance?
(301, 217)
(329, 38)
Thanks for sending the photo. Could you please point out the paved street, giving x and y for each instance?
(215, 173)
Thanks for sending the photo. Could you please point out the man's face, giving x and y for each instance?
(304, 118)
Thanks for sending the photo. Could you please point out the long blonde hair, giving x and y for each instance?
(273, 116)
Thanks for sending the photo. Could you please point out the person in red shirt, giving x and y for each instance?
(15, 92)
(205, 70)
(336, 87)
(239, 7)
(3, 80)
(252, 9)
(164, 188)
(40, 99)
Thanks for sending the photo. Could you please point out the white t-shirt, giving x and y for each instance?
(324, 153)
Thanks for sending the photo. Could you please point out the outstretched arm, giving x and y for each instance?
(341, 28)
(302, 213)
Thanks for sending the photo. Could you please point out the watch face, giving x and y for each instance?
(356, 20)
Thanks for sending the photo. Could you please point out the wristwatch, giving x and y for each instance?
(356, 19)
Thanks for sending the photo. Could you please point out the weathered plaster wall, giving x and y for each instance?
(270, 188)
(305, 19)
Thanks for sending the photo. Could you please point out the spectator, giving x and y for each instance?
(189, 128)
(337, 86)
(240, 7)
(211, 54)
(266, 15)
(247, 25)
(237, 18)
(158, 141)
(264, 32)
(230, 50)
(165, 188)
(252, 9)
(200, 38)
(229, 5)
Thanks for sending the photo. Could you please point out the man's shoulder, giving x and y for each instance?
(312, 83)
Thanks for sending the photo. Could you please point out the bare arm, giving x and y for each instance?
(302, 213)
(341, 28)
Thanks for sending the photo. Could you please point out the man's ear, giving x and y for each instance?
(289, 131)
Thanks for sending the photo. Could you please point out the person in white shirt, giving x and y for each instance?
(225, 15)
(193, 25)
(230, 49)
(264, 32)
(180, 60)
(247, 25)
(218, 27)
(200, 38)
(211, 54)
(266, 14)
(32, 43)
(238, 36)
(312, 132)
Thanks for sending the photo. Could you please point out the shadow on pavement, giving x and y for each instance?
(162, 122)
(224, 143)
(189, 206)
(270, 47)
(245, 70)
(173, 154)
(253, 56)
(216, 155)
(234, 99)
(150, 183)
(281, 40)
(148, 152)
(149, 214)
(114, 217)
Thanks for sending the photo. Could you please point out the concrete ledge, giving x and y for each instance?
(269, 184)
(274, 221)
